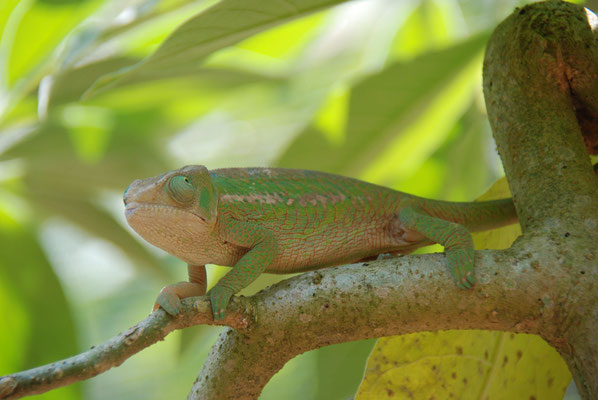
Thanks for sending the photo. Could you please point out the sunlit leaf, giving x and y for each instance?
(142, 26)
(393, 105)
(70, 84)
(332, 117)
(432, 25)
(6, 9)
(296, 33)
(226, 23)
(447, 174)
(30, 48)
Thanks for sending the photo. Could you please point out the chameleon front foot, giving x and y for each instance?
(170, 296)
(219, 298)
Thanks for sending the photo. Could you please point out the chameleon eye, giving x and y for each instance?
(181, 189)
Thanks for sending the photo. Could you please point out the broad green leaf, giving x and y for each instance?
(296, 33)
(467, 364)
(332, 372)
(16, 326)
(447, 174)
(340, 369)
(6, 9)
(431, 25)
(332, 116)
(226, 23)
(390, 111)
(69, 85)
(464, 365)
(35, 290)
(30, 48)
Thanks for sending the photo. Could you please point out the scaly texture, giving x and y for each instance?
(282, 220)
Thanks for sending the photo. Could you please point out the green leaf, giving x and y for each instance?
(222, 25)
(447, 174)
(332, 372)
(30, 48)
(35, 302)
(69, 85)
(390, 111)
(340, 368)
(16, 326)
(6, 9)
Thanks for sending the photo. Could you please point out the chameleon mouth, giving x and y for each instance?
(155, 210)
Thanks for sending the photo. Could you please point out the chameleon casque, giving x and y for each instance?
(288, 220)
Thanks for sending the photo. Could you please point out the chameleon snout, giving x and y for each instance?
(142, 191)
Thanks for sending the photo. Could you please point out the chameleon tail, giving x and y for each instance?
(475, 216)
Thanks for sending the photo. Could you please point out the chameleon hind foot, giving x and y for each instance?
(460, 264)
(456, 239)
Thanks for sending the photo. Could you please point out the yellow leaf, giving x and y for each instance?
(464, 365)
(500, 238)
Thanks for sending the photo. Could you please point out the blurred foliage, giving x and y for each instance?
(96, 93)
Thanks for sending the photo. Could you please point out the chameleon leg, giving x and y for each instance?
(263, 249)
(170, 296)
(456, 239)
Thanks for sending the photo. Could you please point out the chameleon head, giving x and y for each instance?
(173, 211)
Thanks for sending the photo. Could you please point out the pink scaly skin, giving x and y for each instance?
(283, 220)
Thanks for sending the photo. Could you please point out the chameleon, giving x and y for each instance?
(280, 220)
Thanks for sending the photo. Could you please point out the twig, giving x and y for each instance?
(115, 351)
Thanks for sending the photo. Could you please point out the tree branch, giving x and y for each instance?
(390, 297)
(115, 351)
(541, 90)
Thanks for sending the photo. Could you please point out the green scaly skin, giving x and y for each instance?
(283, 220)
